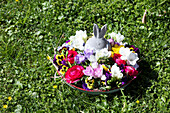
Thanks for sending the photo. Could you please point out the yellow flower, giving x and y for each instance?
(73, 49)
(69, 43)
(116, 48)
(59, 59)
(55, 86)
(5, 106)
(105, 68)
(48, 57)
(90, 83)
(63, 70)
(137, 101)
(16, 0)
(64, 49)
(131, 48)
(60, 56)
(9, 98)
(59, 62)
(112, 54)
(103, 82)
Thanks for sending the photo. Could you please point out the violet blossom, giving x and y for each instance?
(79, 58)
(88, 53)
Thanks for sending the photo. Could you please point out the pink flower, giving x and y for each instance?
(89, 71)
(74, 74)
(98, 72)
(118, 60)
(111, 41)
(131, 71)
(71, 55)
(94, 72)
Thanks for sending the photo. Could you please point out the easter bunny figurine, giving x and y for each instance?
(98, 42)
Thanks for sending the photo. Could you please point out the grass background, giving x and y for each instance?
(29, 29)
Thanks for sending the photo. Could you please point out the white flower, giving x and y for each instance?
(64, 45)
(112, 35)
(72, 38)
(94, 65)
(132, 58)
(118, 37)
(78, 43)
(116, 72)
(103, 53)
(79, 39)
(125, 52)
(81, 34)
(92, 58)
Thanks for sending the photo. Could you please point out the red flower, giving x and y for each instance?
(117, 59)
(116, 56)
(131, 71)
(71, 55)
(74, 74)
(119, 62)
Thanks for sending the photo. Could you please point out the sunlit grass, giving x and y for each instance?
(30, 29)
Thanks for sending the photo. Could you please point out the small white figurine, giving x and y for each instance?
(98, 42)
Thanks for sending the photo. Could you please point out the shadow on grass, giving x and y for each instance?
(138, 87)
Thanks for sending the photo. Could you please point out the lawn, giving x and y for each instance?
(30, 29)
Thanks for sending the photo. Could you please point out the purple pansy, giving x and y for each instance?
(117, 43)
(64, 62)
(54, 60)
(84, 85)
(108, 76)
(67, 41)
(136, 50)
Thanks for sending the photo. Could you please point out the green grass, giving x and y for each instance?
(30, 29)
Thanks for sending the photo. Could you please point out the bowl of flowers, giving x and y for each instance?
(95, 64)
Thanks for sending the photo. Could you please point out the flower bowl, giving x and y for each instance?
(97, 92)
(96, 65)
